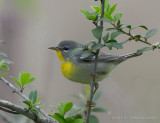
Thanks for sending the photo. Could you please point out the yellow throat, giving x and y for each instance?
(66, 66)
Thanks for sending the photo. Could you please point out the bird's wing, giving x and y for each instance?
(105, 57)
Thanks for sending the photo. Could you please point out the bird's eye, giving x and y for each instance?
(65, 48)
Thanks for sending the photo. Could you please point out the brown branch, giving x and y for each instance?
(26, 99)
(130, 35)
(22, 111)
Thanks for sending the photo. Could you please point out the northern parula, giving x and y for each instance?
(79, 69)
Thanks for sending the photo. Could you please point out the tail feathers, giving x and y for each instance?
(129, 56)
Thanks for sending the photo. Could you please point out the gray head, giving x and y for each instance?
(66, 47)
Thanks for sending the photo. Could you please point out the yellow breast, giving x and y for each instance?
(67, 68)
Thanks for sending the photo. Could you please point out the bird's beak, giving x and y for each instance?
(54, 48)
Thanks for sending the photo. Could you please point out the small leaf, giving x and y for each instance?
(37, 100)
(129, 26)
(93, 119)
(87, 43)
(112, 9)
(119, 23)
(86, 53)
(3, 54)
(60, 109)
(90, 16)
(117, 16)
(58, 117)
(115, 34)
(25, 78)
(33, 96)
(97, 96)
(142, 26)
(123, 42)
(75, 51)
(137, 36)
(31, 80)
(96, 9)
(99, 109)
(106, 37)
(117, 45)
(78, 121)
(105, 20)
(67, 107)
(140, 51)
(111, 29)
(34, 110)
(3, 75)
(151, 33)
(6, 61)
(97, 46)
(4, 68)
(106, 15)
(97, 32)
(16, 81)
(27, 103)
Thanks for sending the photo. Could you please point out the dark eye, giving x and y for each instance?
(65, 48)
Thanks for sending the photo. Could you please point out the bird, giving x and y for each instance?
(80, 69)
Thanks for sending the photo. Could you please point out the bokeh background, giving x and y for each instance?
(29, 27)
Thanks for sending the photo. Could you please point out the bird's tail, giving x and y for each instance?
(131, 55)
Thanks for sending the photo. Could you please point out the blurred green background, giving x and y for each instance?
(29, 27)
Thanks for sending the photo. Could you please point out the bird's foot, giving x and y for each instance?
(90, 104)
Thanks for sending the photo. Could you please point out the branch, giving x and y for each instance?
(93, 83)
(130, 35)
(26, 98)
(22, 111)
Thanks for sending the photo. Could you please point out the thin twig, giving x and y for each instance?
(94, 71)
(130, 35)
(25, 98)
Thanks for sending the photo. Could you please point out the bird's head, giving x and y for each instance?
(64, 48)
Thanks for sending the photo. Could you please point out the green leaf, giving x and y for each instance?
(106, 37)
(4, 68)
(97, 95)
(1, 63)
(113, 43)
(25, 78)
(67, 107)
(86, 53)
(3, 54)
(33, 96)
(34, 110)
(87, 43)
(117, 17)
(115, 34)
(111, 29)
(151, 33)
(142, 26)
(140, 51)
(105, 20)
(106, 15)
(16, 81)
(98, 9)
(31, 80)
(99, 109)
(93, 119)
(112, 9)
(118, 23)
(37, 100)
(97, 46)
(6, 61)
(75, 51)
(123, 42)
(27, 103)
(3, 75)
(78, 121)
(97, 32)
(58, 117)
(90, 16)
(106, 6)
(60, 109)
(137, 36)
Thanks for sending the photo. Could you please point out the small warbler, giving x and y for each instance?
(79, 69)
